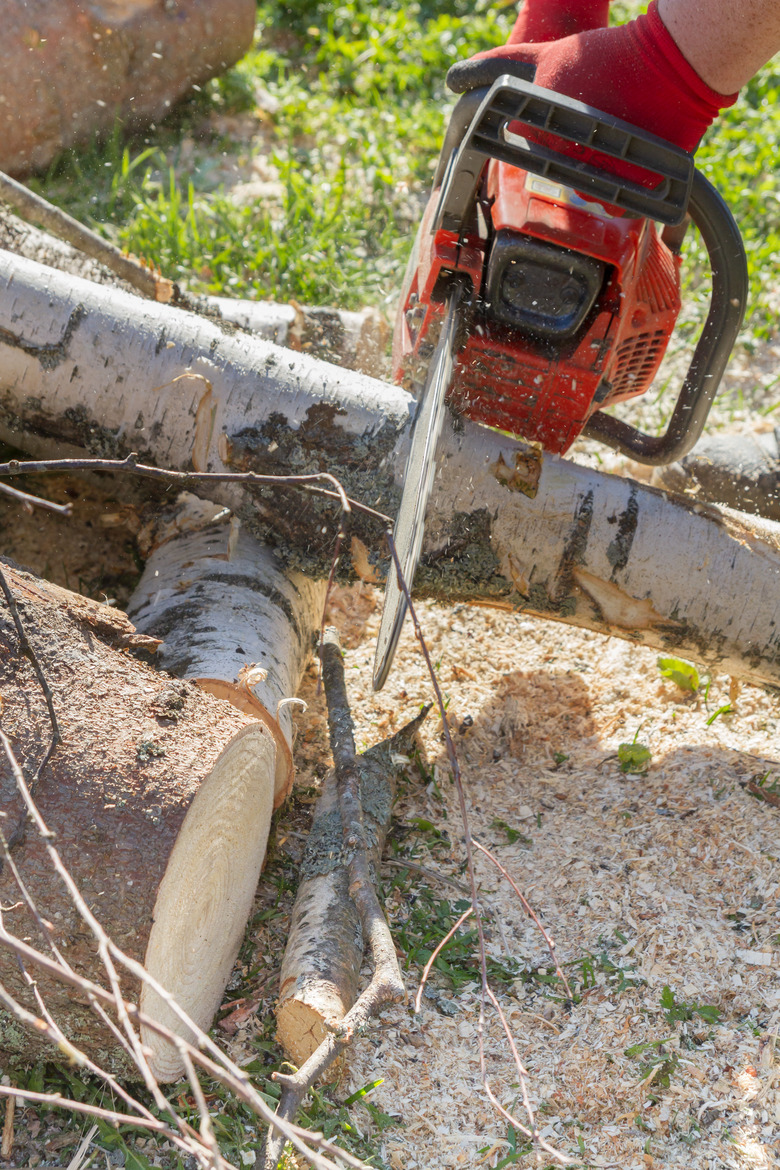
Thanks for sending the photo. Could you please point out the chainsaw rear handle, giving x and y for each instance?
(478, 131)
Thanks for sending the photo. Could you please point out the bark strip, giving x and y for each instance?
(229, 616)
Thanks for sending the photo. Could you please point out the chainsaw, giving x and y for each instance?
(543, 288)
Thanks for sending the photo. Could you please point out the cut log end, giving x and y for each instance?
(302, 1026)
(205, 896)
(242, 698)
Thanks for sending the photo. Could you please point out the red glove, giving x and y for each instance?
(635, 72)
(549, 20)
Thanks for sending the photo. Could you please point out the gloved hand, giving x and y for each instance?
(549, 20)
(635, 72)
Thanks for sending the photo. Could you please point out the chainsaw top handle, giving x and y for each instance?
(479, 130)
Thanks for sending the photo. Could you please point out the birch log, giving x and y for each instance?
(160, 796)
(230, 618)
(319, 979)
(70, 68)
(96, 369)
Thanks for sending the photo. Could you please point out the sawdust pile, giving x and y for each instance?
(663, 880)
(662, 890)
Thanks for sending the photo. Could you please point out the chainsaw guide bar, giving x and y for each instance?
(418, 482)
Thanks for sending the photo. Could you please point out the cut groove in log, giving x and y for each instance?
(161, 798)
(230, 618)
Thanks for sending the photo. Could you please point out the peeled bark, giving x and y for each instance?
(230, 618)
(70, 68)
(160, 796)
(86, 368)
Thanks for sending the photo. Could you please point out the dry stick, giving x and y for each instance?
(486, 992)
(362, 889)
(6, 1149)
(104, 943)
(47, 933)
(340, 535)
(220, 1067)
(74, 1057)
(229, 1074)
(37, 210)
(442, 944)
(25, 647)
(189, 479)
(386, 985)
(31, 502)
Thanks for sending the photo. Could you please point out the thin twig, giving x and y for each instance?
(218, 1065)
(531, 914)
(437, 951)
(426, 871)
(26, 648)
(35, 501)
(486, 991)
(186, 479)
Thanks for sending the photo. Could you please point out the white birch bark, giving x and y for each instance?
(230, 618)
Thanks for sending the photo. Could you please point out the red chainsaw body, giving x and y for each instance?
(508, 375)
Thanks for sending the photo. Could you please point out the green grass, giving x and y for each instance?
(359, 107)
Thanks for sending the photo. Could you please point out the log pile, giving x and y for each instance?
(85, 368)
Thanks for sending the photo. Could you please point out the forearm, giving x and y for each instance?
(725, 42)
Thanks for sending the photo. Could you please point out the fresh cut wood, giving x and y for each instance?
(86, 368)
(160, 796)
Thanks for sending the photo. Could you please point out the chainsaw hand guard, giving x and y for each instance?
(492, 134)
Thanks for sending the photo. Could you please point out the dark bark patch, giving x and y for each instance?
(51, 354)
(466, 559)
(619, 549)
(574, 553)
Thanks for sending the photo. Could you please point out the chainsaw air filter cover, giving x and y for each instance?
(542, 289)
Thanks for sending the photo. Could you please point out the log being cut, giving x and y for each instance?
(160, 796)
(95, 369)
